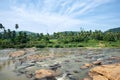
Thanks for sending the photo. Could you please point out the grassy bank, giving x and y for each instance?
(57, 44)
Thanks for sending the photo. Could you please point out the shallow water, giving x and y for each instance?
(7, 71)
(7, 66)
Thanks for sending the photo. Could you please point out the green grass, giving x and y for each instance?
(54, 43)
(90, 43)
(53, 40)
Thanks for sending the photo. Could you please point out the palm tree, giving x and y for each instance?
(9, 33)
(16, 26)
(1, 26)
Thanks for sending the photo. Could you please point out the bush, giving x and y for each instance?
(50, 45)
(20, 46)
(58, 46)
(80, 45)
(40, 46)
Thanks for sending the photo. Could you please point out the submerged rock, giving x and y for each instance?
(17, 54)
(55, 66)
(43, 73)
(97, 63)
(33, 49)
(86, 65)
(29, 75)
(106, 72)
(39, 74)
(86, 79)
(99, 77)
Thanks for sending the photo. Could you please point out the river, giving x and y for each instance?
(7, 66)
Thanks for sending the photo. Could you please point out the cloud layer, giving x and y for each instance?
(57, 15)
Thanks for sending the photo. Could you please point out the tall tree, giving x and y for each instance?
(1, 26)
(9, 35)
(16, 26)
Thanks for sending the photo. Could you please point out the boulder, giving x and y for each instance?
(29, 75)
(106, 72)
(37, 57)
(33, 49)
(75, 71)
(67, 61)
(86, 65)
(34, 57)
(55, 66)
(43, 73)
(17, 54)
(83, 67)
(97, 63)
(99, 77)
(86, 79)
(78, 61)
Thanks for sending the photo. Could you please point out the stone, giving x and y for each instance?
(86, 79)
(106, 72)
(43, 73)
(33, 49)
(115, 58)
(97, 63)
(34, 57)
(99, 77)
(75, 71)
(67, 61)
(86, 65)
(17, 54)
(78, 61)
(83, 67)
(55, 66)
(29, 75)
(37, 57)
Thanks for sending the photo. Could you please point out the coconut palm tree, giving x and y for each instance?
(16, 26)
(1, 26)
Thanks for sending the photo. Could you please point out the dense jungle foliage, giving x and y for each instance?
(23, 39)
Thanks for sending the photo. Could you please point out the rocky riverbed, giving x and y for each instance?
(59, 64)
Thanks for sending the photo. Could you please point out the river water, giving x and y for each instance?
(7, 71)
(7, 66)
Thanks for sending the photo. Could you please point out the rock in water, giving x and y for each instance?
(43, 73)
(86, 79)
(86, 65)
(106, 72)
(55, 66)
(97, 63)
(64, 77)
(17, 54)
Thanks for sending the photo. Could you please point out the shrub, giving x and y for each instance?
(80, 45)
(40, 46)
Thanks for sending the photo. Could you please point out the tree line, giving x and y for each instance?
(21, 39)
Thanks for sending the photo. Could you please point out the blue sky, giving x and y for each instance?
(60, 15)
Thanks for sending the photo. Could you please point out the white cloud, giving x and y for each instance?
(50, 15)
(89, 5)
(52, 22)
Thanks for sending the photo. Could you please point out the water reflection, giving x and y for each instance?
(7, 71)
(5, 64)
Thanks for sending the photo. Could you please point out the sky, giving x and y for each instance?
(48, 16)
